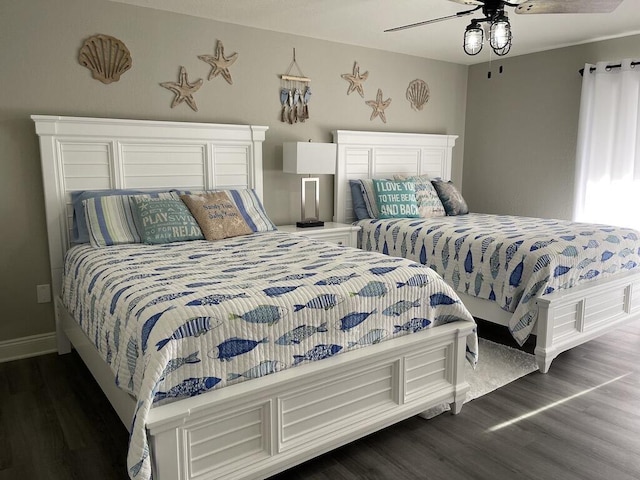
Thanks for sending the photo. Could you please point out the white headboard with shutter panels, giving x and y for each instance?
(101, 154)
(383, 154)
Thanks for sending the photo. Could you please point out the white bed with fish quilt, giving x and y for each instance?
(177, 320)
(565, 282)
(241, 357)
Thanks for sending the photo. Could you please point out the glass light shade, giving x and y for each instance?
(500, 33)
(473, 39)
(503, 51)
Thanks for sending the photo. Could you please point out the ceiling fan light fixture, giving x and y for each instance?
(500, 33)
(495, 19)
(502, 51)
(473, 38)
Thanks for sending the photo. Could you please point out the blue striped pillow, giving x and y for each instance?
(251, 210)
(80, 228)
(111, 220)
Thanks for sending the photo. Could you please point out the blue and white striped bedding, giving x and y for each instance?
(506, 259)
(193, 316)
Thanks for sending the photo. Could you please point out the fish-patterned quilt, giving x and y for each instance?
(179, 319)
(509, 260)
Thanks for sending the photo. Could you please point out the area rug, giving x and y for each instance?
(498, 365)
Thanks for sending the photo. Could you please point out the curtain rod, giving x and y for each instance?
(617, 65)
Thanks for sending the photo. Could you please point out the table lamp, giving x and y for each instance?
(309, 158)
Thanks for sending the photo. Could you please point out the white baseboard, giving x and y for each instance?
(25, 347)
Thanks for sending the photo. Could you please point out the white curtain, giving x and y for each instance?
(607, 187)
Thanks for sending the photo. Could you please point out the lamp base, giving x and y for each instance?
(310, 223)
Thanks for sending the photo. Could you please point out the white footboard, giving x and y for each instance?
(258, 428)
(567, 318)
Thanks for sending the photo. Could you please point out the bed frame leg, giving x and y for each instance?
(456, 407)
(62, 341)
(544, 361)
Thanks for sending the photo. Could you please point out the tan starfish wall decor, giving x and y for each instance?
(355, 80)
(219, 63)
(183, 90)
(378, 106)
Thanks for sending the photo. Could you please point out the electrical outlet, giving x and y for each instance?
(43, 293)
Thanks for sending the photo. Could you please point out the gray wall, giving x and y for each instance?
(39, 43)
(522, 126)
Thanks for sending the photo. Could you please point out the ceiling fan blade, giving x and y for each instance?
(469, 2)
(567, 6)
(434, 20)
(494, 3)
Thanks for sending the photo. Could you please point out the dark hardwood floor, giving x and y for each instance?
(580, 421)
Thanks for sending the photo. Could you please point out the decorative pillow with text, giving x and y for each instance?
(429, 204)
(217, 215)
(396, 199)
(164, 220)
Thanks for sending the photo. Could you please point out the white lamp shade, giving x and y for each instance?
(309, 158)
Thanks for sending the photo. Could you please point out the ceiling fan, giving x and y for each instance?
(499, 29)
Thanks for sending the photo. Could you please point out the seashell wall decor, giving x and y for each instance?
(418, 94)
(106, 57)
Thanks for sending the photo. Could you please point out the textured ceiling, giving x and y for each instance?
(361, 22)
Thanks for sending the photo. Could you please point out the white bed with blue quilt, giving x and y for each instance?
(243, 356)
(180, 319)
(509, 260)
(565, 282)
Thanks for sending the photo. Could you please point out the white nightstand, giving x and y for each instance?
(340, 233)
